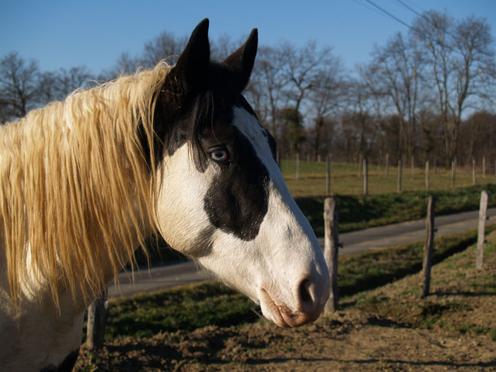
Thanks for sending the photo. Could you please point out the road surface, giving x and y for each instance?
(353, 242)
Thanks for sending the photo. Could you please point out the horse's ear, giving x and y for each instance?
(243, 59)
(190, 73)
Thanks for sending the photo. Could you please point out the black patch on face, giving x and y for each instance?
(195, 105)
(237, 200)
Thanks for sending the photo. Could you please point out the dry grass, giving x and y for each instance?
(389, 328)
(346, 178)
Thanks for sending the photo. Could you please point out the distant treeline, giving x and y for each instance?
(427, 93)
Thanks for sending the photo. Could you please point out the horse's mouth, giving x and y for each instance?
(282, 315)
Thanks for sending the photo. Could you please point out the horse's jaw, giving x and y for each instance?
(282, 269)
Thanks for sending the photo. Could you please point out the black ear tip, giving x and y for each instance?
(202, 27)
(252, 42)
(253, 35)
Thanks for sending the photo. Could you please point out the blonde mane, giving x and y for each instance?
(76, 194)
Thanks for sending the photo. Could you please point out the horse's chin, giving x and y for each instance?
(281, 314)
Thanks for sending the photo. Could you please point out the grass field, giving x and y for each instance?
(379, 326)
(346, 178)
(357, 212)
(382, 324)
(198, 305)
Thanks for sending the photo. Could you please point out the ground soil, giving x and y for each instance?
(389, 328)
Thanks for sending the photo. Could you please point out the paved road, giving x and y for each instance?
(353, 242)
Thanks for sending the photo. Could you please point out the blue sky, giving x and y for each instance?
(95, 32)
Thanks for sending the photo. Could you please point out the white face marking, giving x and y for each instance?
(182, 218)
(283, 254)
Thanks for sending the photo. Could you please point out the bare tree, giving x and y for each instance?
(57, 85)
(47, 86)
(166, 47)
(327, 97)
(292, 131)
(18, 85)
(4, 112)
(267, 85)
(394, 74)
(125, 65)
(460, 59)
(302, 69)
(69, 80)
(359, 121)
(223, 47)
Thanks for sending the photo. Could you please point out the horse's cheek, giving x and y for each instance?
(183, 223)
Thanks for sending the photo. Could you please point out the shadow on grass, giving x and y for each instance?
(359, 275)
(388, 323)
(464, 294)
(381, 362)
(358, 212)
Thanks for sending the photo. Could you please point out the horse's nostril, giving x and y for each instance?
(306, 293)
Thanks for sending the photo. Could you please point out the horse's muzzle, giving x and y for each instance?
(310, 301)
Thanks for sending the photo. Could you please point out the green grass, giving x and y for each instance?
(185, 308)
(356, 212)
(210, 303)
(346, 179)
(461, 297)
(374, 269)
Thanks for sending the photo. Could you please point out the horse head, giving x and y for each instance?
(222, 199)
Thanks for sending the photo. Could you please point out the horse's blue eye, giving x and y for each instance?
(219, 154)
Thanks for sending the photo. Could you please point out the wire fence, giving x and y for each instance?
(314, 178)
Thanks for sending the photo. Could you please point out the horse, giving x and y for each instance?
(174, 150)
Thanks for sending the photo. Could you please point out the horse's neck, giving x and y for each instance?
(36, 333)
(34, 288)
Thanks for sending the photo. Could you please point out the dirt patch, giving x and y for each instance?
(345, 342)
(389, 328)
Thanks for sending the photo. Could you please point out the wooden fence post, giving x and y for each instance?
(481, 230)
(399, 185)
(473, 172)
(453, 173)
(95, 329)
(331, 247)
(483, 167)
(328, 175)
(412, 165)
(365, 190)
(387, 164)
(427, 179)
(297, 166)
(318, 158)
(429, 246)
